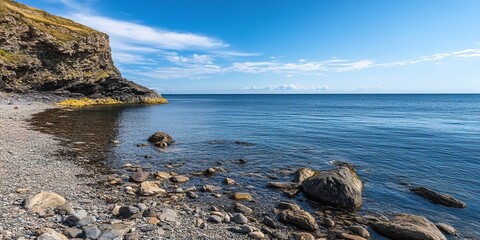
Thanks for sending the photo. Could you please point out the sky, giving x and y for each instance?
(288, 46)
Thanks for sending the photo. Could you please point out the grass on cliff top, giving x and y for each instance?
(83, 102)
(56, 26)
(11, 57)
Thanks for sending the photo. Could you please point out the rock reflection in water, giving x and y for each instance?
(90, 133)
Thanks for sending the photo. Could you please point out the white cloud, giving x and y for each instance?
(194, 59)
(289, 87)
(129, 32)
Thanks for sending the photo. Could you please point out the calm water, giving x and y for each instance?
(394, 141)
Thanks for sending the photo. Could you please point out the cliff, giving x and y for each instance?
(42, 52)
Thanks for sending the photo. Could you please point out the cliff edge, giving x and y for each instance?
(43, 52)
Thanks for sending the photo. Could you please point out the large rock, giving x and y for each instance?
(50, 234)
(161, 139)
(42, 52)
(302, 174)
(300, 219)
(43, 200)
(338, 187)
(438, 198)
(408, 226)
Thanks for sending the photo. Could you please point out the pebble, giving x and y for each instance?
(240, 219)
(240, 196)
(256, 235)
(91, 232)
(215, 219)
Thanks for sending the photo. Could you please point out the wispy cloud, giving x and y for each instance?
(289, 87)
(134, 34)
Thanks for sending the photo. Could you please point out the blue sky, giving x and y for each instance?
(280, 46)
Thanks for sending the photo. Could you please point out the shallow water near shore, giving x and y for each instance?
(394, 141)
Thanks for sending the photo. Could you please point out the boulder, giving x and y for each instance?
(438, 198)
(50, 234)
(300, 219)
(43, 200)
(302, 174)
(338, 187)
(161, 139)
(408, 226)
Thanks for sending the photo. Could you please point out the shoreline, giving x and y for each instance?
(40, 166)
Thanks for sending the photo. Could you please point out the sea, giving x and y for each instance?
(394, 141)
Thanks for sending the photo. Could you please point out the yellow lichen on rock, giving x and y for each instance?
(88, 102)
(154, 100)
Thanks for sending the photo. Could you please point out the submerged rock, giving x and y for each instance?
(338, 187)
(438, 198)
(446, 228)
(408, 226)
(282, 185)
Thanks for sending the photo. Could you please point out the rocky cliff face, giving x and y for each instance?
(42, 52)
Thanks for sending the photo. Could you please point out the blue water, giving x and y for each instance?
(394, 141)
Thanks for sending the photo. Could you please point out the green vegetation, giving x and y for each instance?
(11, 57)
(61, 28)
(106, 101)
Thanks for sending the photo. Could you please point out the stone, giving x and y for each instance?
(43, 200)
(282, 185)
(240, 219)
(348, 236)
(153, 220)
(300, 219)
(446, 228)
(150, 188)
(87, 220)
(160, 137)
(229, 181)
(162, 175)
(408, 226)
(73, 232)
(50, 234)
(215, 219)
(168, 215)
(139, 177)
(338, 187)
(240, 196)
(192, 195)
(288, 206)
(238, 207)
(256, 235)
(328, 222)
(360, 231)
(301, 174)
(179, 179)
(127, 211)
(303, 236)
(270, 222)
(200, 223)
(438, 198)
(91, 232)
(209, 188)
(210, 171)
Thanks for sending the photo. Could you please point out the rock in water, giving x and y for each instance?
(60, 55)
(300, 219)
(139, 177)
(446, 228)
(338, 187)
(408, 226)
(43, 200)
(241, 196)
(439, 198)
(302, 174)
(160, 137)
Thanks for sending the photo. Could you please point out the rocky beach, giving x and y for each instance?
(51, 193)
